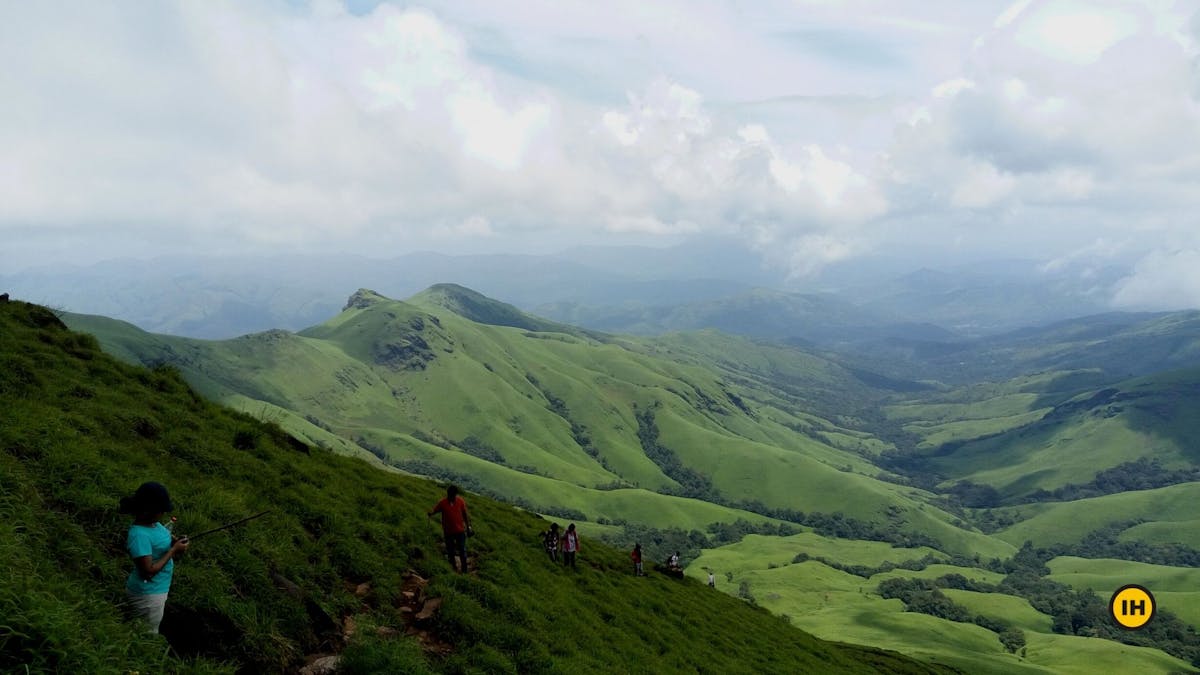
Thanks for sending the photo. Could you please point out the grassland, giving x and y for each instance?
(1067, 522)
(835, 604)
(78, 430)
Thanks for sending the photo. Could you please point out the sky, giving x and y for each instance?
(815, 131)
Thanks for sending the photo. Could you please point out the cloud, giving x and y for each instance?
(1163, 280)
(818, 133)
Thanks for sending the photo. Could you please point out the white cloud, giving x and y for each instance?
(1163, 280)
(982, 186)
(821, 132)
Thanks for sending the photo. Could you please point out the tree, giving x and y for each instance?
(1013, 638)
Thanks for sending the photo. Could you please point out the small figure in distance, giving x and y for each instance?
(673, 562)
(152, 549)
(456, 524)
(712, 579)
(636, 556)
(570, 545)
(550, 541)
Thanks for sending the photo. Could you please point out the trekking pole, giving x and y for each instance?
(228, 525)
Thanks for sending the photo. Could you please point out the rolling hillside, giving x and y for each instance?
(1040, 438)
(648, 438)
(685, 431)
(327, 571)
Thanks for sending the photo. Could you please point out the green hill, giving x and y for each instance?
(326, 570)
(615, 429)
(1030, 439)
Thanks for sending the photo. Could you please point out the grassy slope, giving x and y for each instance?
(78, 430)
(400, 374)
(834, 604)
(1029, 434)
(1067, 522)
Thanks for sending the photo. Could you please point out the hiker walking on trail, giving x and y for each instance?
(570, 545)
(152, 549)
(456, 524)
(636, 556)
(550, 541)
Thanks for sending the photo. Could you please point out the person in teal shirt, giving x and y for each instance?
(152, 549)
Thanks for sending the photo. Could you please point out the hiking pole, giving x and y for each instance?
(228, 525)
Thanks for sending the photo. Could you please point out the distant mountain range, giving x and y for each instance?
(714, 284)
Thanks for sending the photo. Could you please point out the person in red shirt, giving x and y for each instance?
(636, 556)
(456, 523)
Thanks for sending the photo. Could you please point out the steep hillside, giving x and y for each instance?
(686, 431)
(326, 571)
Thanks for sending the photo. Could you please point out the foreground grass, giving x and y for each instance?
(78, 430)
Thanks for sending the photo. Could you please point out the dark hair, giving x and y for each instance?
(150, 497)
(571, 527)
(452, 492)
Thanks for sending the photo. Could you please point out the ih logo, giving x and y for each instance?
(1132, 606)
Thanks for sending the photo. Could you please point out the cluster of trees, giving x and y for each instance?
(1141, 474)
(658, 544)
(838, 524)
(1083, 612)
(1104, 543)
(693, 483)
(475, 447)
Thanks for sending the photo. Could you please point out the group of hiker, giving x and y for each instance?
(564, 545)
(154, 548)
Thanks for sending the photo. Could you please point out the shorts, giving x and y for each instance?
(148, 607)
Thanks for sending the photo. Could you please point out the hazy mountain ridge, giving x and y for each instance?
(620, 289)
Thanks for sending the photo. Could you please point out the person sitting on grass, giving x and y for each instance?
(153, 550)
(570, 545)
(456, 524)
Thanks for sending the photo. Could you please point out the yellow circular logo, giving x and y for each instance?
(1132, 606)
